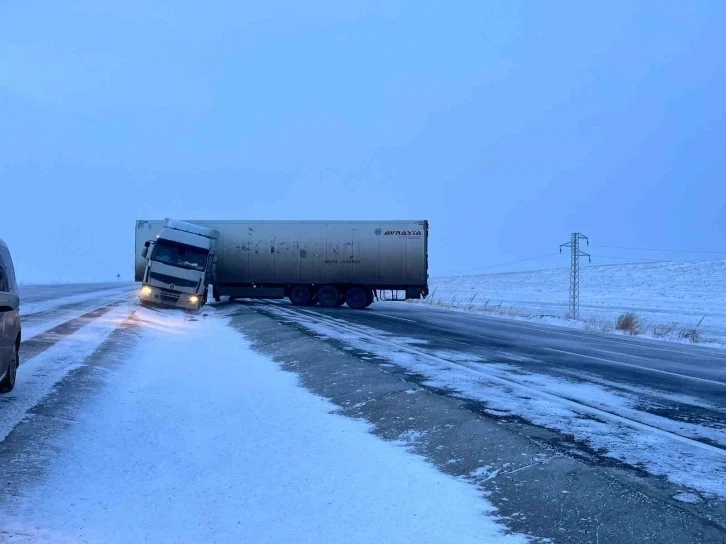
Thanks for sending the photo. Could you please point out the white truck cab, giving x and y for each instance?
(180, 265)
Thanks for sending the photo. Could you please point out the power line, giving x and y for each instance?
(663, 250)
(518, 261)
(549, 255)
(540, 257)
(630, 259)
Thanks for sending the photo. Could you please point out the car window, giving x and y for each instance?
(8, 269)
(4, 287)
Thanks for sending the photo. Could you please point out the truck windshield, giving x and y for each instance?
(181, 255)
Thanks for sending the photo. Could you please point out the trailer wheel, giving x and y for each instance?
(300, 295)
(357, 298)
(328, 296)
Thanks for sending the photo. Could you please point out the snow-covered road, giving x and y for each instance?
(48, 306)
(189, 436)
(61, 326)
(257, 422)
(33, 294)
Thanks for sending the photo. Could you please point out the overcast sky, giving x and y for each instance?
(506, 124)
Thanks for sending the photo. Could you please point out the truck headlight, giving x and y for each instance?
(193, 299)
(146, 290)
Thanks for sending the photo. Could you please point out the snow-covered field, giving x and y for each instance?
(196, 438)
(669, 297)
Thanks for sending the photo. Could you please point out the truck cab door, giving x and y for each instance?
(145, 250)
(210, 273)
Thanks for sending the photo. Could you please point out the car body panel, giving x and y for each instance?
(9, 309)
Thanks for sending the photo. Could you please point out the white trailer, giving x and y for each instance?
(325, 262)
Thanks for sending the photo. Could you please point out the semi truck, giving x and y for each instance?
(329, 263)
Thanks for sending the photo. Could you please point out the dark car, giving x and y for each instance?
(9, 321)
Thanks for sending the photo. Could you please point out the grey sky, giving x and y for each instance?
(506, 124)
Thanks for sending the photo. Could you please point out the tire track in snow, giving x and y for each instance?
(58, 312)
(46, 340)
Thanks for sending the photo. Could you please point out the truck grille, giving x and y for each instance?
(163, 278)
(169, 296)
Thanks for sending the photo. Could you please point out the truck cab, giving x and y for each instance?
(180, 265)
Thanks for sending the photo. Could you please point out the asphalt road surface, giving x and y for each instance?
(678, 369)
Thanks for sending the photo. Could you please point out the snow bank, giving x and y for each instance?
(199, 439)
(660, 293)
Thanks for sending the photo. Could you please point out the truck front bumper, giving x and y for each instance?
(157, 296)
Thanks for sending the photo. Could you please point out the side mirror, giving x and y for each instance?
(9, 302)
(147, 243)
(145, 251)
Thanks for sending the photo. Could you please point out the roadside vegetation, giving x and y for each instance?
(629, 322)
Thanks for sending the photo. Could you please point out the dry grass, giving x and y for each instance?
(471, 306)
(692, 335)
(596, 324)
(629, 322)
(665, 331)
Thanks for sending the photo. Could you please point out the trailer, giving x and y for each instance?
(311, 262)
